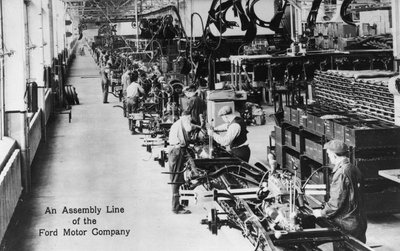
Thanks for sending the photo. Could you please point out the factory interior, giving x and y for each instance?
(266, 125)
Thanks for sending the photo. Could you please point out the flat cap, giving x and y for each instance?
(225, 110)
(336, 146)
(190, 88)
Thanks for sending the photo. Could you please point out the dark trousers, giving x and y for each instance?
(242, 153)
(104, 87)
(132, 104)
(176, 160)
(175, 198)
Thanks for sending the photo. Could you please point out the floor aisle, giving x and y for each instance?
(95, 162)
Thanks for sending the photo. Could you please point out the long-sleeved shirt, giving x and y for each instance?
(232, 131)
(197, 108)
(125, 81)
(345, 206)
(176, 134)
(133, 90)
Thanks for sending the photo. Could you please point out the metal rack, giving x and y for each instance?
(374, 146)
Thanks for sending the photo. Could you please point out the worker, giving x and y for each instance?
(236, 134)
(104, 85)
(177, 157)
(133, 92)
(108, 67)
(345, 205)
(144, 82)
(126, 80)
(195, 105)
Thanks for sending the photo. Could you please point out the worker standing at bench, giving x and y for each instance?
(133, 92)
(126, 80)
(236, 134)
(104, 86)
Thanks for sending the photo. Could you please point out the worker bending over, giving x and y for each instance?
(236, 134)
(177, 157)
(345, 205)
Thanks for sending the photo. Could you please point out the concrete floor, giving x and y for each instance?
(95, 162)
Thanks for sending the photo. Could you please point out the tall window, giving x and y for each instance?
(1, 74)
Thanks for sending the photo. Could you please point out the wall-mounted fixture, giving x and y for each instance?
(31, 47)
(7, 53)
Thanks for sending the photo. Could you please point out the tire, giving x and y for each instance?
(70, 96)
(75, 96)
(67, 96)
(214, 221)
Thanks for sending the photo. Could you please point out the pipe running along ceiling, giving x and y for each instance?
(106, 11)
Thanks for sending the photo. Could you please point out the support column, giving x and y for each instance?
(16, 125)
(35, 49)
(36, 54)
(47, 32)
(51, 28)
(396, 33)
(58, 9)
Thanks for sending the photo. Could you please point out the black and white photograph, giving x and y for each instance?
(199, 125)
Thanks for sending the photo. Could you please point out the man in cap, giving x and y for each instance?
(345, 205)
(236, 134)
(195, 105)
(177, 157)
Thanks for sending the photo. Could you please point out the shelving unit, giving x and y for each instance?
(373, 146)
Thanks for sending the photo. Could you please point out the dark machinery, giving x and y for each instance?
(270, 208)
(374, 146)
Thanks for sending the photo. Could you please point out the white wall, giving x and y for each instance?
(14, 66)
(59, 14)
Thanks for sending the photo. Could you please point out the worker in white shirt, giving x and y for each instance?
(133, 92)
(177, 156)
(126, 80)
(236, 134)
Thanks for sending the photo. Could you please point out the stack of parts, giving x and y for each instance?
(333, 88)
(374, 144)
(363, 91)
(374, 99)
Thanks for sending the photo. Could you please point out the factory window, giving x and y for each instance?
(1, 74)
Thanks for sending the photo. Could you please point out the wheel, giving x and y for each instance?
(131, 125)
(67, 98)
(70, 95)
(75, 95)
(140, 128)
(214, 221)
(163, 156)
